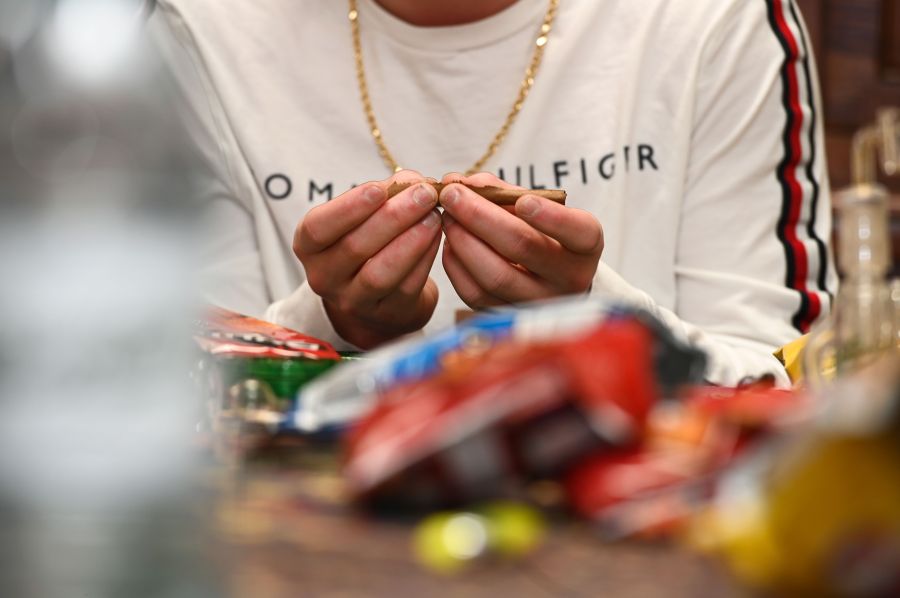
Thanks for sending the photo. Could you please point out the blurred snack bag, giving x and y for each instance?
(226, 333)
(249, 370)
(486, 423)
(344, 395)
(817, 513)
(652, 489)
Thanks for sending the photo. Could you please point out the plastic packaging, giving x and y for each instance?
(817, 513)
(861, 325)
(250, 370)
(345, 394)
(487, 425)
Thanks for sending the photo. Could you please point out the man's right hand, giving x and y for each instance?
(369, 258)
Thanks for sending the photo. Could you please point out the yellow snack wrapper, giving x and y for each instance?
(790, 356)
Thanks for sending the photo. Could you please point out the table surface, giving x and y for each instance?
(286, 530)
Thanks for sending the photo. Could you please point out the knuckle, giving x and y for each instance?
(372, 283)
(399, 217)
(408, 291)
(477, 299)
(343, 306)
(468, 213)
(522, 247)
(317, 282)
(394, 214)
(346, 304)
(476, 209)
(307, 233)
(499, 281)
(596, 240)
(579, 281)
(353, 247)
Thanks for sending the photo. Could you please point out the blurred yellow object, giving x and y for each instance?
(515, 529)
(447, 542)
(829, 525)
(742, 535)
(822, 518)
(790, 356)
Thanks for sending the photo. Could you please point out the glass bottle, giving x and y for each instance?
(862, 323)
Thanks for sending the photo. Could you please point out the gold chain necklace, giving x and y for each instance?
(527, 83)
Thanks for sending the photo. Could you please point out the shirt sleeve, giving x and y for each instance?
(753, 267)
(231, 272)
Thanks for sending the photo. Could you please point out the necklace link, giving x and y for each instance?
(540, 43)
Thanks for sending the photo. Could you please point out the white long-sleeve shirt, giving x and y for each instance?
(688, 127)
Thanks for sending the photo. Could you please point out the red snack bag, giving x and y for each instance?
(752, 407)
(226, 333)
(637, 492)
(652, 488)
(613, 378)
(520, 412)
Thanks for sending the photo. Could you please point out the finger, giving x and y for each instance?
(399, 214)
(383, 273)
(508, 235)
(577, 230)
(463, 283)
(324, 225)
(417, 295)
(493, 273)
(415, 281)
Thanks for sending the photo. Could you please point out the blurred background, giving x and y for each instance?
(96, 479)
(857, 48)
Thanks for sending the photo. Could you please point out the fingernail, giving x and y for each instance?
(373, 193)
(449, 195)
(431, 220)
(528, 206)
(425, 195)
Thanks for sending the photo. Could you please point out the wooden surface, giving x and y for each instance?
(288, 532)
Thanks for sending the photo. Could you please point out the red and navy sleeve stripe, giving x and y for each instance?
(804, 250)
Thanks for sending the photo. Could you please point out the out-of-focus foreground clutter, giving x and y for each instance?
(151, 448)
(485, 438)
(493, 433)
